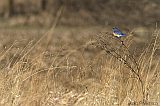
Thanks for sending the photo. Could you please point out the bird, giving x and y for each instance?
(117, 32)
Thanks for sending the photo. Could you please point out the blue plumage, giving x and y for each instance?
(117, 32)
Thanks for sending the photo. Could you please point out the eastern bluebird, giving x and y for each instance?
(117, 32)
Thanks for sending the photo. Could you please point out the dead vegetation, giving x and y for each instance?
(76, 72)
(66, 66)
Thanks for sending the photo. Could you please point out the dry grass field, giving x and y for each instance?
(78, 65)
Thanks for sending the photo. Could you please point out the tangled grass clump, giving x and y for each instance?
(139, 68)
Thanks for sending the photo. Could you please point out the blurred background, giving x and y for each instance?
(48, 64)
(124, 13)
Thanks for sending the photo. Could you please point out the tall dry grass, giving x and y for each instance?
(101, 72)
(140, 74)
